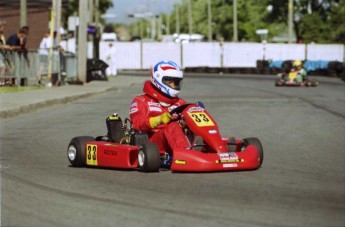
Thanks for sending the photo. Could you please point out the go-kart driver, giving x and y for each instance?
(301, 73)
(149, 112)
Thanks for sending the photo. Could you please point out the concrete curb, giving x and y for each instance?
(31, 107)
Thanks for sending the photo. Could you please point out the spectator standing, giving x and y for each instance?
(110, 60)
(46, 44)
(44, 47)
(27, 30)
(17, 41)
(3, 51)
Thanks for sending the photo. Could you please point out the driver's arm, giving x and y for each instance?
(138, 114)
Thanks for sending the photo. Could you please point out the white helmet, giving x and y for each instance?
(167, 77)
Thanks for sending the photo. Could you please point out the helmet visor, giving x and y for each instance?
(172, 82)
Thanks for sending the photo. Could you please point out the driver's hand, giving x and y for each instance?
(175, 116)
(164, 118)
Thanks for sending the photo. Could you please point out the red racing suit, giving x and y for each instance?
(167, 136)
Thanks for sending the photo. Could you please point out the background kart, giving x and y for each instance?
(125, 148)
(290, 80)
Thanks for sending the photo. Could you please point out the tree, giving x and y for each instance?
(314, 20)
(319, 21)
(250, 18)
(73, 6)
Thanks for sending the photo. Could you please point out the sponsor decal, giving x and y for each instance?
(223, 155)
(154, 104)
(195, 109)
(233, 155)
(133, 104)
(230, 161)
(114, 153)
(110, 144)
(231, 165)
(180, 162)
(229, 158)
(133, 110)
(212, 131)
(156, 109)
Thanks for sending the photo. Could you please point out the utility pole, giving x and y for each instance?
(290, 20)
(98, 31)
(153, 26)
(209, 20)
(190, 19)
(235, 36)
(168, 19)
(159, 33)
(177, 15)
(90, 11)
(82, 42)
(58, 21)
(23, 13)
(51, 39)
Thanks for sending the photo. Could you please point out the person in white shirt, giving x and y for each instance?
(47, 42)
(45, 45)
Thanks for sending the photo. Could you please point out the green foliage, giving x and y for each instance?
(314, 20)
(337, 21)
(251, 15)
(73, 6)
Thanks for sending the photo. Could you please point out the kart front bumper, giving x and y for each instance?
(195, 161)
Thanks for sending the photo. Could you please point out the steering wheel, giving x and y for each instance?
(179, 109)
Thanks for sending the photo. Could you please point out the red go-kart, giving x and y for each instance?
(125, 148)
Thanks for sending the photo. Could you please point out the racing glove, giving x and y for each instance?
(164, 118)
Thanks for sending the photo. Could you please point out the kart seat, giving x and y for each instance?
(115, 128)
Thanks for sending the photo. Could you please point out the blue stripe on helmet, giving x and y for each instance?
(173, 64)
(163, 87)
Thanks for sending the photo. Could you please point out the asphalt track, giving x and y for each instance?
(301, 182)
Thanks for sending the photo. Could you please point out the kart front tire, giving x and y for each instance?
(279, 82)
(256, 142)
(149, 158)
(76, 151)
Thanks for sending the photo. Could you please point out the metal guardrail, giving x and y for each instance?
(29, 67)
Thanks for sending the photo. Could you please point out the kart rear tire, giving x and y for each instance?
(314, 83)
(76, 151)
(149, 158)
(256, 142)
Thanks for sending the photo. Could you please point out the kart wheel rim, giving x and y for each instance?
(72, 153)
(141, 158)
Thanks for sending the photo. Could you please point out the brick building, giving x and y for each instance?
(38, 16)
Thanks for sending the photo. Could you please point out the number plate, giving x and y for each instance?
(91, 155)
(201, 119)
